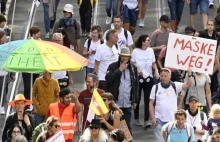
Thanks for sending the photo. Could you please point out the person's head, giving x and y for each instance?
(57, 38)
(117, 20)
(20, 102)
(2, 21)
(52, 124)
(201, 34)
(117, 136)
(65, 96)
(3, 38)
(143, 42)
(193, 103)
(164, 21)
(165, 75)
(180, 117)
(211, 24)
(35, 32)
(15, 131)
(218, 13)
(110, 103)
(21, 138)
(189, 31)
(47, 76)
(91, 81)
(96, 32)
(125, 54)
(68, 10)
(95, 126)
(215, 112)
(112, 37)
(216, 135)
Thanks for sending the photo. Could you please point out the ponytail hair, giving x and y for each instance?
(112, 106)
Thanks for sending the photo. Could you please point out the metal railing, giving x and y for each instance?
(16, 83)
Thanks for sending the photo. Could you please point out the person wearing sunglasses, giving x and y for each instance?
(111, 120)
(94, 133)
(14, 132)
(52, 126)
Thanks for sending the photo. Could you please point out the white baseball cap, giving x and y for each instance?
(68, 8)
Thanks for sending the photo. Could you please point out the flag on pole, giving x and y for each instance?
(91, 115)
(97, 104)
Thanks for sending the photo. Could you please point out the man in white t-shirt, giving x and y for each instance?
(106, 54)
(124, 37)
(195, 117)
(163, 101)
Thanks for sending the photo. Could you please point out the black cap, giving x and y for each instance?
(189, 30)
(95, 123)
(191, 98)
(165, 18)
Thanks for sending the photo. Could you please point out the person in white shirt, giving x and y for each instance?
(124, 37)
(163, 101)
(130, 10)
(90, 47)
(144, 59)
(106, 54)
(195, 117)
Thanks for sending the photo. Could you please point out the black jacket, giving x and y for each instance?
(113, 78)
(12, 119)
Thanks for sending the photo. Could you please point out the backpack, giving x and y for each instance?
(188, 130)
(156, 89)
(38, 130)
(89, 43)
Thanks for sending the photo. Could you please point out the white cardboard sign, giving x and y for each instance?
(186, 51)
(58, 137)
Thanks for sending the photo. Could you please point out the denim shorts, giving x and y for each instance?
(203, 4)
(129, 15)
(176, 9)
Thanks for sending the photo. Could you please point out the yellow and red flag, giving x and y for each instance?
(97, 104)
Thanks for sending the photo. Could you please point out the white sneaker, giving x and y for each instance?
(147, 124)
(108, 20)
(211, 4)
(141, 23)
(137, 122)
(47, 35)
(2, 110)
(112, 26)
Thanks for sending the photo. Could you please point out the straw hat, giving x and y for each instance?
(125, 52)
(20, 97)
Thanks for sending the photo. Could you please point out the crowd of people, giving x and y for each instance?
(177, 104)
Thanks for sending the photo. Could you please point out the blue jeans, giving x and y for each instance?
(203, 4)
(46, 17)
(111, 5)
(157, 131)
(127, 116)
(176, 9)
(38, 118)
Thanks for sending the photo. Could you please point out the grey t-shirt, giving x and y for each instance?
(159, 38)
(199, 89)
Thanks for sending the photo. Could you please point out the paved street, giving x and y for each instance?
(155, 9)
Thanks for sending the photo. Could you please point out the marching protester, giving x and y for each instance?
(105, 54)
(66, 112)
(111, 5)
(94, 133)
(124, 36)
(45, 91)
(143, 13)
(14, 132)
(144, 59)
(123, 77)
(111, 120)
(20, 117)
(85, 99)
(178, 130)
(91, 45)
(161, 111)
(194, 117)
(70, 28)
(52, 126)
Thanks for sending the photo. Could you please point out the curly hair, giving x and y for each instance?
(112, 105)
(215, 110)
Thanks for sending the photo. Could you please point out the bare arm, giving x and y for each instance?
(80, 118)
(156, 70)
(115, 124)
(181, 97)
(159, 62)
(78, 44)
(96, 67)
(152, 112)
(164, 134)
(188, 83)
(208, 95)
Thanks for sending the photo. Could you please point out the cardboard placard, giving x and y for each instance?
(124, 128)
(58, 137)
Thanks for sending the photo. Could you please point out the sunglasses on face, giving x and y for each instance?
(91, 127)
(56, 126)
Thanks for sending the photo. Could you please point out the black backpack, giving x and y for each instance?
(89, 43)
